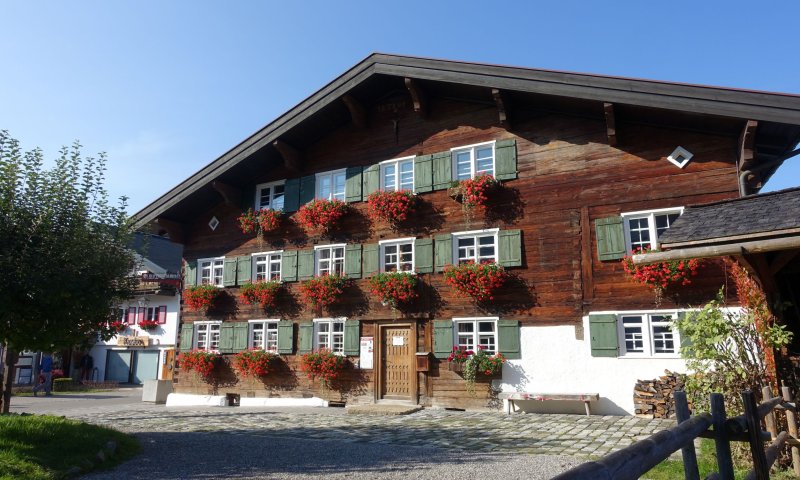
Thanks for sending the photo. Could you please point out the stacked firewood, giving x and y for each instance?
(653, 398)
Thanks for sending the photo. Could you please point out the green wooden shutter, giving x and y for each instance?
(442, 338)
(352, 185)
(352, 337)
(603, 333)
(370, 259)
(190, 274)
(285, 337)
(306, 331)
(229, 272)
(226, 338)
(352, 260)
(291, 195)
(243, 269)
(289, 266)
(505, 159)
(686, 342)
(371, 180)
(508, 339)
(610, 238)
(305, 264)
(510, 248)
(442, 163)
(241, 332)
(187, 336)
(423, 255)
(423, 174)
(249, 198)
(443, 251)
(307, 186)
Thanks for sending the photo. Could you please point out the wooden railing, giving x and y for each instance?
(637, 459)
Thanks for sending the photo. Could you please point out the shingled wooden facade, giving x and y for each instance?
(569, 166)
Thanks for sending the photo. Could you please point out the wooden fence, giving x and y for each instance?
(635, 460)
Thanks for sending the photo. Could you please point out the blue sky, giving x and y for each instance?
(166, 87)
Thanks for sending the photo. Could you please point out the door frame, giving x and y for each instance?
(381, 332)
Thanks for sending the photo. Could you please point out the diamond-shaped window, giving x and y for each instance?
(680, 157)
(213, 223)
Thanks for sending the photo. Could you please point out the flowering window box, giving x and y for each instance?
(480, 281)
(260, 221)
(391, 207)
(323, 291)
(261, 293)
(394, 288)
(200, 297)
(321, 215)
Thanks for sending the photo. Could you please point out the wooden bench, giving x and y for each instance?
(586, 398)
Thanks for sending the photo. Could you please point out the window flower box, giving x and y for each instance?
(200, 297)
(253, 363)
(394, 288)
(148, 325)
(321, 215)
(200, 361)
(659, 276)
(323, 291)
(118, 326)
(391, 207)
(477, 280)
(323, 365)
(261, 293)
(261, 221)
(473, 194)
(475, 364)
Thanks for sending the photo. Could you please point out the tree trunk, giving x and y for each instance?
(9, 360)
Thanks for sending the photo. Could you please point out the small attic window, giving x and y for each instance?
(213, 223)
(680, 157)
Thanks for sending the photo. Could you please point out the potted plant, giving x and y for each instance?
(323, 365)
(261, 293)
(254, 362)
(391, 207)
(260, 221)
(118, 326)
(148, 325)
(200, 297)
(473, 193)
(477, 280)
(200, 361)
(394, 288)
(481, 364)
(458, 357)
(659, 276)
(321, 215)
(323, 291)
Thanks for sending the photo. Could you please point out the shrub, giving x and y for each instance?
(321, 215)
(200, 297)
(391, 207)
(262, 293)
(477, 280)
(200, 361)
(323, 291)
(323, 365)
(394, 288)
(255, 362)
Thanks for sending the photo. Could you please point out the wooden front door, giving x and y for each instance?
(397, 363)
(168, 364)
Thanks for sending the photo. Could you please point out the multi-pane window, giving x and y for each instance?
(397, 174)
(397, 255)
(472, 161)
(330, 185)
(648, 335)
(267, 267)
(264, 335)
(475, 247)
(206, 335)
(270, 195)
(643, 228)
(209, 271)
(475, 333)
(151, 313)
(329, 335)
(329, 260)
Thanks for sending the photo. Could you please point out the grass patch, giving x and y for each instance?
(43, 447)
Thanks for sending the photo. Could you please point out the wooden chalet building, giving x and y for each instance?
(591, 166)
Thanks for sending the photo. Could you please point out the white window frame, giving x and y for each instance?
(473, 161)
(331, 174)
(330, 321)
(196, 335)
(396, 162)
(271, 186)
(476, 233)
(148, 311)
(382, 244)
(212, 260)
(317, 248)
(475, 333)
(263, 322)
(647, 334)
(254, 263)
(650, 215)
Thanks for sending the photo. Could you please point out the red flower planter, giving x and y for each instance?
(394, 288)
(391, 207)
(477, 280)
(321, 215)
(260, 221)
(323, 291)
(261, 293)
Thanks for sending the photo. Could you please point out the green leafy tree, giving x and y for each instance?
(64, 258)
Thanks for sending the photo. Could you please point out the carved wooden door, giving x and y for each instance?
(167, 364)
(397, 362)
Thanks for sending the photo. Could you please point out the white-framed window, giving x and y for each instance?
(475, 333)
(473, 160)
(206, 336)
(264, 335)
(397, 174)
(210, 270)
(329, 260)
(270, 195)
(267, 266)
(397, 255)
(477, 246)
(331, 185)
(642, 229)
(648, 334)
(151, 313)
(329, 334)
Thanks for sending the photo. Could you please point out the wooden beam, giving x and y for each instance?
(611, 124)
(357, 111)
(418, 97)
(229, 193)
(292, 158)
(741, 248)
(175, 230)
(501, 100)
(747, 140)
(781, 260)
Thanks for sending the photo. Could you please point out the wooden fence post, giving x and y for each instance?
(690, 469)
(760, 467)
(791, 420)
(721, 442)
(772, 426)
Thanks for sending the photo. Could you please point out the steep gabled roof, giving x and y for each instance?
(773, 108)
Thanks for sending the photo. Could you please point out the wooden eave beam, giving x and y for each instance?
(175, 230)
(229, 193)
(747, 141)
(501, 100)
(357, 111)
(292, 158)
(739, 248)
(611, 123)
(781, 260)
(418, 97)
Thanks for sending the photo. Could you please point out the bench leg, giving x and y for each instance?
(509, 406)
(588, 408)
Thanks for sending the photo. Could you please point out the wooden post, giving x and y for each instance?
(760, 467)
(772, 428)
(690, 469)
(791, 420)
(721, 441)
